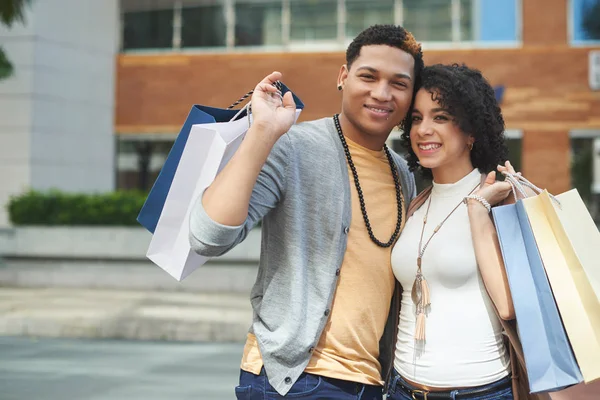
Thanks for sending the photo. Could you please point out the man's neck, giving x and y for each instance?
(371, 142)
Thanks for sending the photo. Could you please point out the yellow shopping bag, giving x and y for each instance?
(565, 242)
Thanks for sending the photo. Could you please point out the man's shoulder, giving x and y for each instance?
(315, 131)
(400, 161)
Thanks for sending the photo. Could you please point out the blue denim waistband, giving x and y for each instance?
(398, 383)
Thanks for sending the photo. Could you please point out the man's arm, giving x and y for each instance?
(252, 182)
(227, 199)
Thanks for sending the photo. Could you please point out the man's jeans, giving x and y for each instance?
(500, 390)
(308, 386)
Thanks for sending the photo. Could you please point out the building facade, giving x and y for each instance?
(97, 102)
(539, 55)
(57, 110)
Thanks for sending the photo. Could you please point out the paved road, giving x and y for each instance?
(58, 369)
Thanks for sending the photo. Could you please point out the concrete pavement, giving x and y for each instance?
(124, 314)
(59, 369)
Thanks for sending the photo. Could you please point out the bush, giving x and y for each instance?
(58, 208)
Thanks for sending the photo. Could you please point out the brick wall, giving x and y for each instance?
(546, 82)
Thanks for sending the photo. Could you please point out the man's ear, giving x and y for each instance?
(343, 75)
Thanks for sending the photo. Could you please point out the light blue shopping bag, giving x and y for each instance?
(549, 359)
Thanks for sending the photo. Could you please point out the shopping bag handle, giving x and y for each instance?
(248, 107)
(517, 181)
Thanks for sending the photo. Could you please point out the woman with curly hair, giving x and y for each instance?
(455, 300)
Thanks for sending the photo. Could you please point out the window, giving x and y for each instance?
(466, 20)
(514, 143)
(585, 20)
(323, 24)
(258, 23)
(361, 14)
(139, 160)
(203, 26)
(313, 20)
(148, 29)
(429, 20)
(496, 21)
(585, 169)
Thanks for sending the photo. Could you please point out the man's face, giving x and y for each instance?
(377, 89)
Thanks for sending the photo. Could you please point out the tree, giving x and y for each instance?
(591, 19)
(11, 11)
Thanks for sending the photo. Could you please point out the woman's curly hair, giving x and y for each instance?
(470, 99)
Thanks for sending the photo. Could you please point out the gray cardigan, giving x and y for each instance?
(302, 196)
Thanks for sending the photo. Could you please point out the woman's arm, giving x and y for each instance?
(489, 259)
(486, 244)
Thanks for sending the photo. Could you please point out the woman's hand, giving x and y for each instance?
(496, 191)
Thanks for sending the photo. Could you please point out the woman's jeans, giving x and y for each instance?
(499, 390)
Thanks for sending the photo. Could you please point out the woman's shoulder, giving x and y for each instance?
(418, 201)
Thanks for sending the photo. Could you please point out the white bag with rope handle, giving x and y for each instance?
(207, 150)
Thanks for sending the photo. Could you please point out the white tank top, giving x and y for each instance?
(464, 345)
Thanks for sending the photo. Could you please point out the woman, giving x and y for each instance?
(456, 300)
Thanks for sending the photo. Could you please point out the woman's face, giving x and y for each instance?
(437, 140)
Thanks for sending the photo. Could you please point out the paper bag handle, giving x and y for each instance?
(517, 181)
(248, 106)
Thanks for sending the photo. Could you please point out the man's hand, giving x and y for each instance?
(272, 114)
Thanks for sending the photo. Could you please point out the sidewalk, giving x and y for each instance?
(123, 314)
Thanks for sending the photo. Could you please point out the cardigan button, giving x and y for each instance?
(346, 230)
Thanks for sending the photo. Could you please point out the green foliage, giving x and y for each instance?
(59, 208)
(6, 68)
(11, 11)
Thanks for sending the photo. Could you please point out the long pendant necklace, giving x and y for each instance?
(420, 290)
(361, 198)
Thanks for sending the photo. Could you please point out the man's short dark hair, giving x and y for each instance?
(393, 36)
(388, 35)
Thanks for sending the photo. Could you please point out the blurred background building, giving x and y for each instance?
(98, 98)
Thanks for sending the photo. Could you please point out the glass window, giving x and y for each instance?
(514, 153)
(258, 24)
(429, 20)
(313, 20)
(586, 20)
(140, 161)
(203, 26)
(496, 21)
(361, 14)
(148, 29)
(585, 172)
(466, 20)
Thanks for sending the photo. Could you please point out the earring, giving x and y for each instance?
(470, 146)
(339, 87)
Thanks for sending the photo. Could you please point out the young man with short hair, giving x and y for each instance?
(332, 198)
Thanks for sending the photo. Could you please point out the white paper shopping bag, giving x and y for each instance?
(207, 150)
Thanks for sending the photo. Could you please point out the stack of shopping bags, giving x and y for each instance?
(551, 251)
(207, 141)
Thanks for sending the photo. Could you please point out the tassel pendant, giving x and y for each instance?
(425, 297)
(422, 299)
(420, 327)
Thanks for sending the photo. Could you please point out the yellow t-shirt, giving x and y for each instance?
(349, 345)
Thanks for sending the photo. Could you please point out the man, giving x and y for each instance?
(332, 199)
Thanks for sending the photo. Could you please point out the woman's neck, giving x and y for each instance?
(452, 174)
